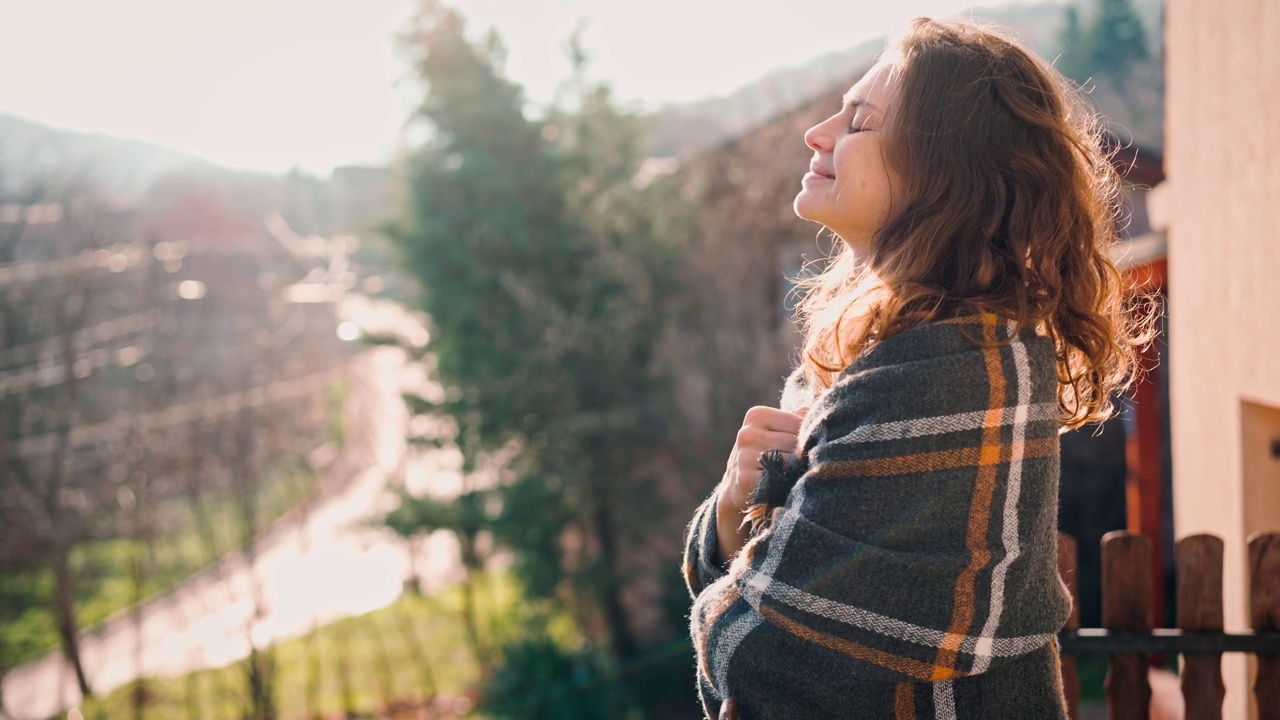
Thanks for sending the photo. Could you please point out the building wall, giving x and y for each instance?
(1222, 120)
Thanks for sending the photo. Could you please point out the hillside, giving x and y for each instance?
(191, 192)
(690, 128)
(31, 151)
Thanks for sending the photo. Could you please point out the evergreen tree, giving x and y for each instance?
(547, 279)
(1116, 40)
(1073, 60)
(1114, 43)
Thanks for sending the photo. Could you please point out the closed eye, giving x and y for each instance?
(857, 127)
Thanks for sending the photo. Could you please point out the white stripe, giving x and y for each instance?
(1009, 533)
(882, 624)
(783, 526)
(959, 422)
(727, 643)
(1004, 647)
(944, 701)
(733, 637)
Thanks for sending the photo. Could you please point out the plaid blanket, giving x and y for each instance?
(910, 570)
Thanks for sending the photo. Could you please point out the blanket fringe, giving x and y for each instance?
(778, 475)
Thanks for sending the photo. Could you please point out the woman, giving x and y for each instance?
(883, 544)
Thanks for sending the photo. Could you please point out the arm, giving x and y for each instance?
(731, 533)
(716, 533)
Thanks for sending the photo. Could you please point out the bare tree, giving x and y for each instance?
(50, 253)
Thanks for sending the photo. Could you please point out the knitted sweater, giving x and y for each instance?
(910, 570)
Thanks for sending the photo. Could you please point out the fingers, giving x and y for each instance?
(773, 419)
(766, 428)
(754, 440)
(763, 428)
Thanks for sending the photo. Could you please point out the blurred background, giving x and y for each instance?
(367, 359)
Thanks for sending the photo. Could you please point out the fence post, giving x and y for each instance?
(1264, 615)
(1126, 605)
(1067, 571)
(1199, 576)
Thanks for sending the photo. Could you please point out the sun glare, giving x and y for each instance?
(274, 84)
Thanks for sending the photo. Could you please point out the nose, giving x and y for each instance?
(817, 139)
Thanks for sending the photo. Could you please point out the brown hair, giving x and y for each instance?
(1009, 207)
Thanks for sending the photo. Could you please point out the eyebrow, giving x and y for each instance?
(857, 101)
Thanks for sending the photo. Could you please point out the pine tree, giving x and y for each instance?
(1116, 40)
(547, 279)
(1073, 60)
(1113, 44)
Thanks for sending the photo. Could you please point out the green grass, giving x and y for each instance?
(407, 652)
(334, 399)
(200, 533)
(103, 568)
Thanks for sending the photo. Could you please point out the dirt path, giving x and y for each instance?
(317, 565)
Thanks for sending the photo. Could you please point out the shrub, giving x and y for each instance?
(537, 679)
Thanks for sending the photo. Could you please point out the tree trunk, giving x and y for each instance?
(345, 689)
(192, 699)
(606, 531)
(472, 565)
(311, 661)
(610, 601)
(139, 694)
(260, 673)
(64, 612)
(417, 654)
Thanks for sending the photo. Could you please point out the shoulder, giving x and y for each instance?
(969, 335)
(956, 367)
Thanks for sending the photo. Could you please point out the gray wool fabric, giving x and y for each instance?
(911, 570)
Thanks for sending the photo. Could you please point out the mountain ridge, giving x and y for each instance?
(31, 150)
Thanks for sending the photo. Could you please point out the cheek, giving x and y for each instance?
(860, 165)
(866, 181)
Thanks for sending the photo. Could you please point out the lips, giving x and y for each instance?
(821, 171)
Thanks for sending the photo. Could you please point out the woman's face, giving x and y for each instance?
(849, 188)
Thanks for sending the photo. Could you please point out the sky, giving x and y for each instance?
(275, 84)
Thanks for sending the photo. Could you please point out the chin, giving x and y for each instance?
(804, 207)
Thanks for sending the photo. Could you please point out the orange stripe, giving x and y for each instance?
(904, 702)
(979, 509)
(691, 577)
(935, 461)
(1057, 668)
(897, 663)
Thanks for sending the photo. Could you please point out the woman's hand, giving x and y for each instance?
(763, 428)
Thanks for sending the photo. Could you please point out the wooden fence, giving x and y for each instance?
(1127, 635)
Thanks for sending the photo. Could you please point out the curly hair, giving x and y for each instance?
(1009, 207)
